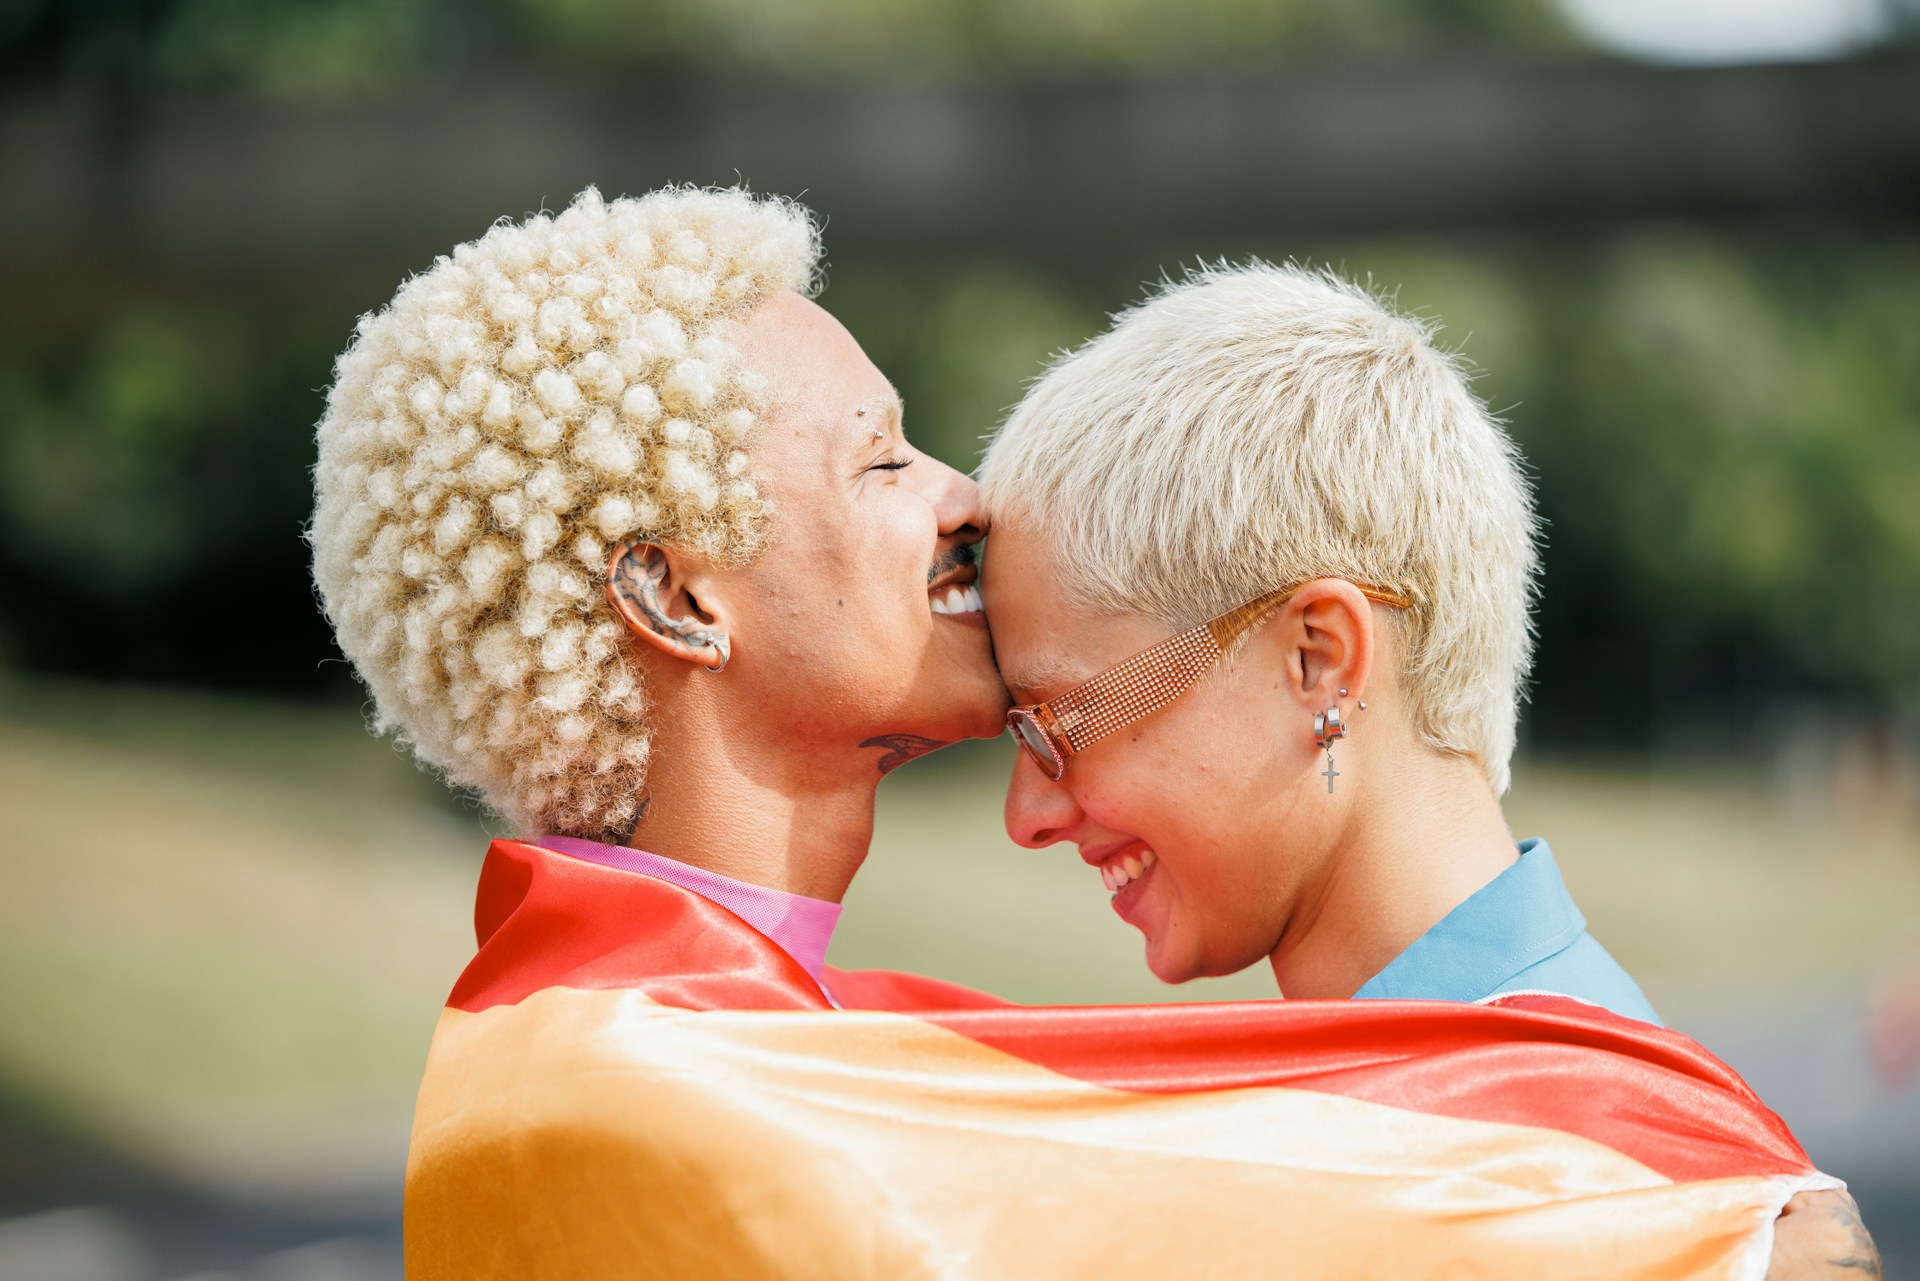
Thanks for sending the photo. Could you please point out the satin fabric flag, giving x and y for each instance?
(629, 1081)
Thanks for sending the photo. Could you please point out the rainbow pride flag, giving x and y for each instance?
(629, 1081)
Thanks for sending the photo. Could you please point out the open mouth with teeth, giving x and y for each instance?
(1125, 868)
(959, 598)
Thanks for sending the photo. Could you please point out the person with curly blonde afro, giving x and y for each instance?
(623, 535)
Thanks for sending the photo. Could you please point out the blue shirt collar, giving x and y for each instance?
(1519, 918)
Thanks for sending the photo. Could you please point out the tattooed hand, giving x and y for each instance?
(638, 578)
(901, 748)
(1820, 1235)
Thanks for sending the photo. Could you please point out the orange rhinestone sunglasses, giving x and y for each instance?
(1055, 731)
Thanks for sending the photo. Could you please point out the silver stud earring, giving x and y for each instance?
(1343, 693)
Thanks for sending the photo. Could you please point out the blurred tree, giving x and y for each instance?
(1725, 433)
(153, 486)
(962, 347)
(1725, 426)
(343, 49)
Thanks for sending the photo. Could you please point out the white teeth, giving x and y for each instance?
(956, 600)
(1123, 870)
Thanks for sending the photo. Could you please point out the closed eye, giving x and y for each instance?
(894, 465)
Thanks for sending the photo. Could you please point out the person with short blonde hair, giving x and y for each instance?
(1279, 453)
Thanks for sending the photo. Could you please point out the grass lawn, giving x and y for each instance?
(228, 927)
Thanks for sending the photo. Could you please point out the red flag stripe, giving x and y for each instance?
(546, 920)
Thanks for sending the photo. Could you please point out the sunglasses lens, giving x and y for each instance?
(1034, 739)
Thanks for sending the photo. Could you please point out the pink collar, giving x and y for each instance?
(801, 926)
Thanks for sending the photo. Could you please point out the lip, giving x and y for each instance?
(958, 576)
(1095, 855)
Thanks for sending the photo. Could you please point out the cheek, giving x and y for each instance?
(1127, 789)
(1187, 794)
(905, 532)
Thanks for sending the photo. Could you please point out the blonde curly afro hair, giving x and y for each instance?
(490, 435)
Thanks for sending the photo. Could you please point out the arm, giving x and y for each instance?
(1819, 1237)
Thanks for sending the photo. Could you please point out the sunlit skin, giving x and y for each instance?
(838, 668)
(1254, 859)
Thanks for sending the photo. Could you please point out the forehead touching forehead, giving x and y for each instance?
(1044, 641)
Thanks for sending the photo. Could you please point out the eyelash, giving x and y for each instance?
(892, 466)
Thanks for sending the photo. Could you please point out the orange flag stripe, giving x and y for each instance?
(598, 1134)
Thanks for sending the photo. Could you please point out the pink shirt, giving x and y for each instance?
(801, 926)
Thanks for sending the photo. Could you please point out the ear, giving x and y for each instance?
(654, 591)
(1332, 637)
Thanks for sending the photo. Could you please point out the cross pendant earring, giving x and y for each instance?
(1330, 772)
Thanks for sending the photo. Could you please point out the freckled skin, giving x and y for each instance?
(1196, 787)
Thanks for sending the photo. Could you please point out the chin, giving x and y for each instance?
(1170, 970)
(974, 706)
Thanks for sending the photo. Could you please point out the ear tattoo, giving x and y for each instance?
(637, 580)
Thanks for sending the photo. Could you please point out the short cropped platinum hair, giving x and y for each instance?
(1253, 427)
(518, 409)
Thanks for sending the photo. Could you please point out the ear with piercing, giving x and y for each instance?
(636, 583)
(1328, 726)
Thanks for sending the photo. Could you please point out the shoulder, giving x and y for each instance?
(1586, 970)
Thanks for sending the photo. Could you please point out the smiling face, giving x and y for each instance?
(860, 620)
(1176, 811)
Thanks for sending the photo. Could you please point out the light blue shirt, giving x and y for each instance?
(1520, 932)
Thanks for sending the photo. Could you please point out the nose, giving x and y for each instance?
(1039, 812)
(955, 500)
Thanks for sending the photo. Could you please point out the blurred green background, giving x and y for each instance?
(1681, 241)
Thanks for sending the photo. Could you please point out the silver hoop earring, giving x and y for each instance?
(1327, 726)
(721, 643)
